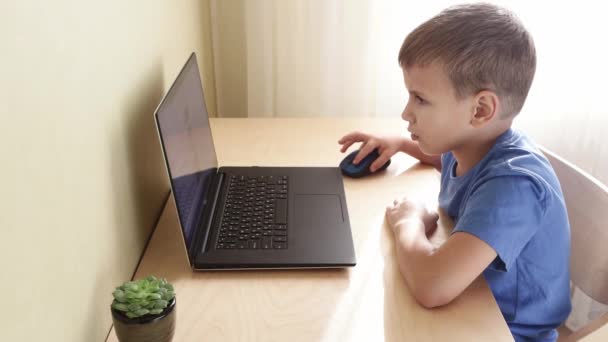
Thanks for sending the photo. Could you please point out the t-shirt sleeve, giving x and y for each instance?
(505, 212)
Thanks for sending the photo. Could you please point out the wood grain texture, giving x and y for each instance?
(369, 302)
(596, 331)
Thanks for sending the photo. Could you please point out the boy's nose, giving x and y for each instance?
(407, 115)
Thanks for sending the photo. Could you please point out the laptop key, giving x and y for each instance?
(279, 245)
(280, 239)
(254, 244)
(266, 242)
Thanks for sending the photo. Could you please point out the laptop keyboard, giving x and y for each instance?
(255, 215)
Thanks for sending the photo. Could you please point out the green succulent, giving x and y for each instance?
(143, 297)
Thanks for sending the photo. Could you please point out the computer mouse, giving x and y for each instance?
(361, 169)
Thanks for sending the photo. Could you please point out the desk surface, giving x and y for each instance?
(600, 335)
(369, 302)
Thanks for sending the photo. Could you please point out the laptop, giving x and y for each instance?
(247, 217)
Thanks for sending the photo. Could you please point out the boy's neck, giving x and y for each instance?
(467, 156)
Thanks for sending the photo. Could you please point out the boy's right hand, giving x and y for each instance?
(387, 147)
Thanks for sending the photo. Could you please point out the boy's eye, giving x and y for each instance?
(419, 99)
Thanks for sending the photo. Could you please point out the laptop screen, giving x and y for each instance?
(183, 126)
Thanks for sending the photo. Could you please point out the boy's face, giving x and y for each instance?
(437, 119)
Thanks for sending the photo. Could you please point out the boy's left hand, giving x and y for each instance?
(406, 209)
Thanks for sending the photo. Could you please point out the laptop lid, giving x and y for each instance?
(185, 135)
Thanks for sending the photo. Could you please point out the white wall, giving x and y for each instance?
(82, 175)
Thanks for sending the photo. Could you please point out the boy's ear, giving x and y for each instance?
(486, 108)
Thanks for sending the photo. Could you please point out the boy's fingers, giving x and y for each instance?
(379, 162)
(354, 136)
(363, 152)
(344, 138)
(350, 139)
(346, 145)
(430, 231)
(430, 211)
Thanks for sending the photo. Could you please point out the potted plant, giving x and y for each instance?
(144, 310)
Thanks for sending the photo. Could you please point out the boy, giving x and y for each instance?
(468, 71)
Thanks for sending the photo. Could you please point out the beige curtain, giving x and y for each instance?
(295, 58)
(338, 58)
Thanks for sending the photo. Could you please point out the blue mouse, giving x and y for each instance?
(361, 169)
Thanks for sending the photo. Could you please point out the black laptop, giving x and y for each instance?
(247, 217)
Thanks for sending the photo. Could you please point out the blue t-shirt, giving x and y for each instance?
(512, 201)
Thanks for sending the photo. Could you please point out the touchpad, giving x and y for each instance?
(318, 209)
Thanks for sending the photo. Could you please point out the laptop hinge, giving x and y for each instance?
(209, 212)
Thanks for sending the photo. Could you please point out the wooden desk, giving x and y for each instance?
(369, 302)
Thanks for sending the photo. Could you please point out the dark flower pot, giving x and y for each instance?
(148, 328)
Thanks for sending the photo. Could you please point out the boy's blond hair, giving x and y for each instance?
(482, 47)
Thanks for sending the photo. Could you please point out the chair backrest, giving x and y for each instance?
(587, 202)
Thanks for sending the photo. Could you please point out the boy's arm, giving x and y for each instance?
(437, 276)
(411, 147)
(388, 147)
(482, 235)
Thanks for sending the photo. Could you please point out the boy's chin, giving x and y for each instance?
(429, 150)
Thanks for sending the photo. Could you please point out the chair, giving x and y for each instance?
(587, 202)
